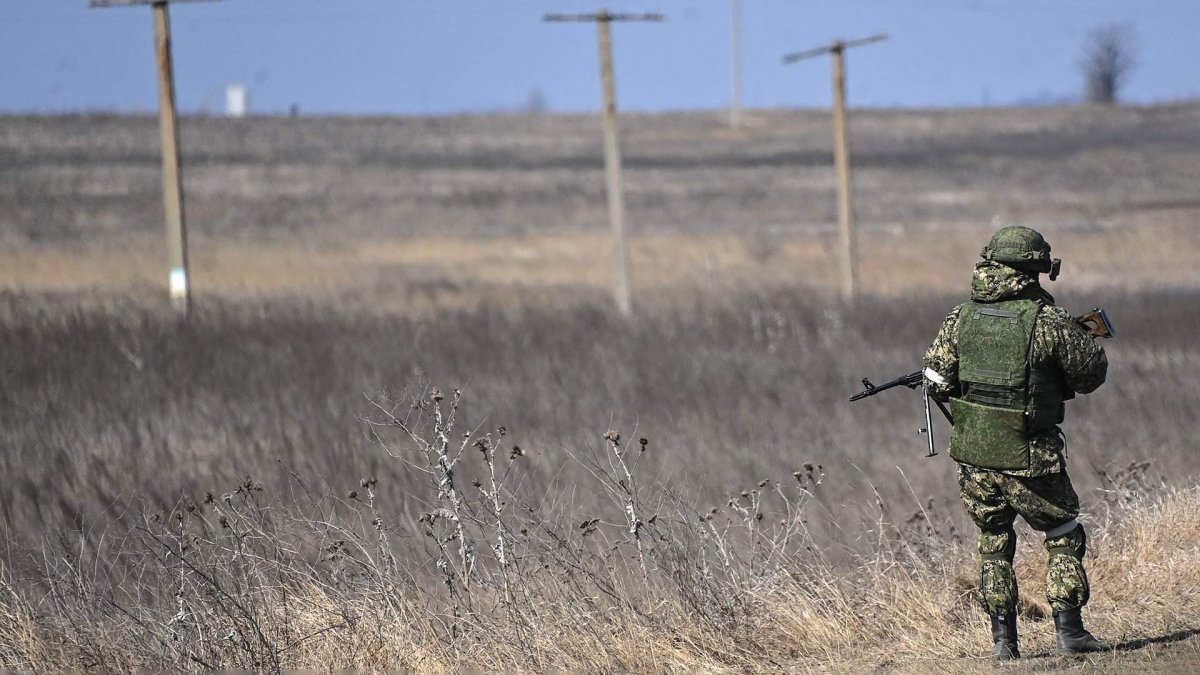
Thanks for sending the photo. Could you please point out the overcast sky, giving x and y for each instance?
(453, 56)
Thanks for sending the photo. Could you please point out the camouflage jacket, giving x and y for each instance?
(1059, 341)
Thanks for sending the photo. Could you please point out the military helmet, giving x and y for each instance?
(1022, 248)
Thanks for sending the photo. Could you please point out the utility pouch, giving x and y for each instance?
(989, 437)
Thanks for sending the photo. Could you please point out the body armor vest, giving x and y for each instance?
(1005, 400)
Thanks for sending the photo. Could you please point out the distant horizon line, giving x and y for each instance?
(516, 111)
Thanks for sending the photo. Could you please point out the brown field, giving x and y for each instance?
(422, 212)
(338, 260)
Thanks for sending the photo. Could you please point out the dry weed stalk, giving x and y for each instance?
(440, 466)
(495, 500)
(625, 490)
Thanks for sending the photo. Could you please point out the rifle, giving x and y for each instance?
(1096, 322)
(912, 381)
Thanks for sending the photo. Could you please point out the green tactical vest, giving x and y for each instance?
(1005, 400)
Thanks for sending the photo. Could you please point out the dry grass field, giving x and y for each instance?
(343, 268)
(417, 213)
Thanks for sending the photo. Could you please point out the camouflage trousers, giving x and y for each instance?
(1049, 504)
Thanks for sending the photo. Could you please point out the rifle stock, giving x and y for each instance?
(1097, 323)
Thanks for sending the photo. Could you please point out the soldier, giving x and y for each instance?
(1006, 361)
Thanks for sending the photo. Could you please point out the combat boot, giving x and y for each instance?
(1004, 635)
(1073, 638)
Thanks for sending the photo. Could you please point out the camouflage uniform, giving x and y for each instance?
(1042, 493)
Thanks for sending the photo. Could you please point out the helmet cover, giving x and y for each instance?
(1022, 248)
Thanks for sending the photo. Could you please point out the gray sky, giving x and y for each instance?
(451, 56)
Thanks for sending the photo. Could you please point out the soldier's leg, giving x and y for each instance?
(997, 578)
(1049, 504)
(1068, 591)
(984, 501)
(1066, 580)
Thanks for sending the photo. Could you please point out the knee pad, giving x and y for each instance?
(998, 544)
(997, 587)
(1072, 543)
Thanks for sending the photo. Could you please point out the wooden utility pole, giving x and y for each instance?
(735, 63)
(841, 155)
(172, 175)
(612, 150)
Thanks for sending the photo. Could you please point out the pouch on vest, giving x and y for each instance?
(989, 437)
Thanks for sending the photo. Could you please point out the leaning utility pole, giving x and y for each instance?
(172, 175)
(612, 153)
(841, 154)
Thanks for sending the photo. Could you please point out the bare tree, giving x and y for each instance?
(1108, 57)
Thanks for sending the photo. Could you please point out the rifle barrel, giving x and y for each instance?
(910, 380)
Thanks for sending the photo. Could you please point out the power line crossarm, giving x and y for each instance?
(603, 16)
(99, 4)
(837, 45)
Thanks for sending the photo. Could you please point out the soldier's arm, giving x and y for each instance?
(1083, 361)
(941, 359)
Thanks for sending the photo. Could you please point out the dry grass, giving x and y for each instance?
(243, 580)
(114, 404)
